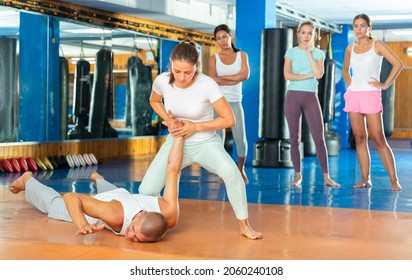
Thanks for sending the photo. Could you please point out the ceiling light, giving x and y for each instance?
(402, 32)
(91, 60)
(88, 31)
(391, 17)
(408, 51)
(5, 13)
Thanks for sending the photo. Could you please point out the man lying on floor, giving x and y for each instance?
(139, 218)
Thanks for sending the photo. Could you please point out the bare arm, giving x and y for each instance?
(158, 106)
(318, 69)
(79, 204)
(346, 64)
(225, 119)
(156, 101)
(243, 74)
(397, 65)
(169, 204)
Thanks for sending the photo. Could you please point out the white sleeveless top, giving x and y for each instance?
(233, 93)
(364, 67)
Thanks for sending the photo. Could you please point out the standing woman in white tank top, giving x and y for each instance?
(363, 100)
(229, 68)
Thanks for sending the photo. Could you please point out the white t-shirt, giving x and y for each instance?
(192, 104)
(132, 204)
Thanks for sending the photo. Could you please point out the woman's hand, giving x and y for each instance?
(186, 129)
(375, 83)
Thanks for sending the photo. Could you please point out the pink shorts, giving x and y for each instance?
(364, 102)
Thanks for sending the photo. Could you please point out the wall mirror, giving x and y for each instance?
(134, 57)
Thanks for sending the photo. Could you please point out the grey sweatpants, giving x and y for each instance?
(50, 202)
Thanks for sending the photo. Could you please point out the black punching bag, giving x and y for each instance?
(388, 100)
(8, 89)
(326, 94)
(81, 100)
(139, 86)
(64, 97)
(274, 149)
(101, 105)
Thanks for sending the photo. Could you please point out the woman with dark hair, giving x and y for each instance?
(363, 98)
(229, 68)
(303, 68)
(185, 99)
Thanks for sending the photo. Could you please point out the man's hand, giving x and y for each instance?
(172, 123)
(89, 229)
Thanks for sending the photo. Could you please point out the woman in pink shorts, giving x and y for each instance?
(363, 99)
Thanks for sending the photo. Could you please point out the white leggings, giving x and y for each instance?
(209, 154)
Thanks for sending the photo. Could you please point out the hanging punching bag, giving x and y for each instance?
(64, 97)
(139, 87)
(101, 105)
(388, 100)
(274, 149)
(272, 121)
(81, 101)
(326, 96)
(8, 89)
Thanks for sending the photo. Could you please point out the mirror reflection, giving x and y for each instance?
(106, 77)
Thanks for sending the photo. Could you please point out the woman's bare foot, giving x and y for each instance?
(363, 184)
(329, 182)
(247, 231)
(396, 186)
(20, 184)
(95, 176)
(297, 181)
(245, 179)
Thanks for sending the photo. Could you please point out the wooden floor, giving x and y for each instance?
(311, 223)
(208, 230)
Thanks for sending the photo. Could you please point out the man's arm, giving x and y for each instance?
(169, 204)
(78, 205)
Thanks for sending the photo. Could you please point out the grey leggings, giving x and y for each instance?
(238, 130)
(296, 103)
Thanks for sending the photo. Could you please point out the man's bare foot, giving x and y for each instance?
(20, 183)
(330, 183)
(363, 184)
(396, 186)
(95, 176)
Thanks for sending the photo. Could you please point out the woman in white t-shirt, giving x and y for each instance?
(185, 100)
(229, 68)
